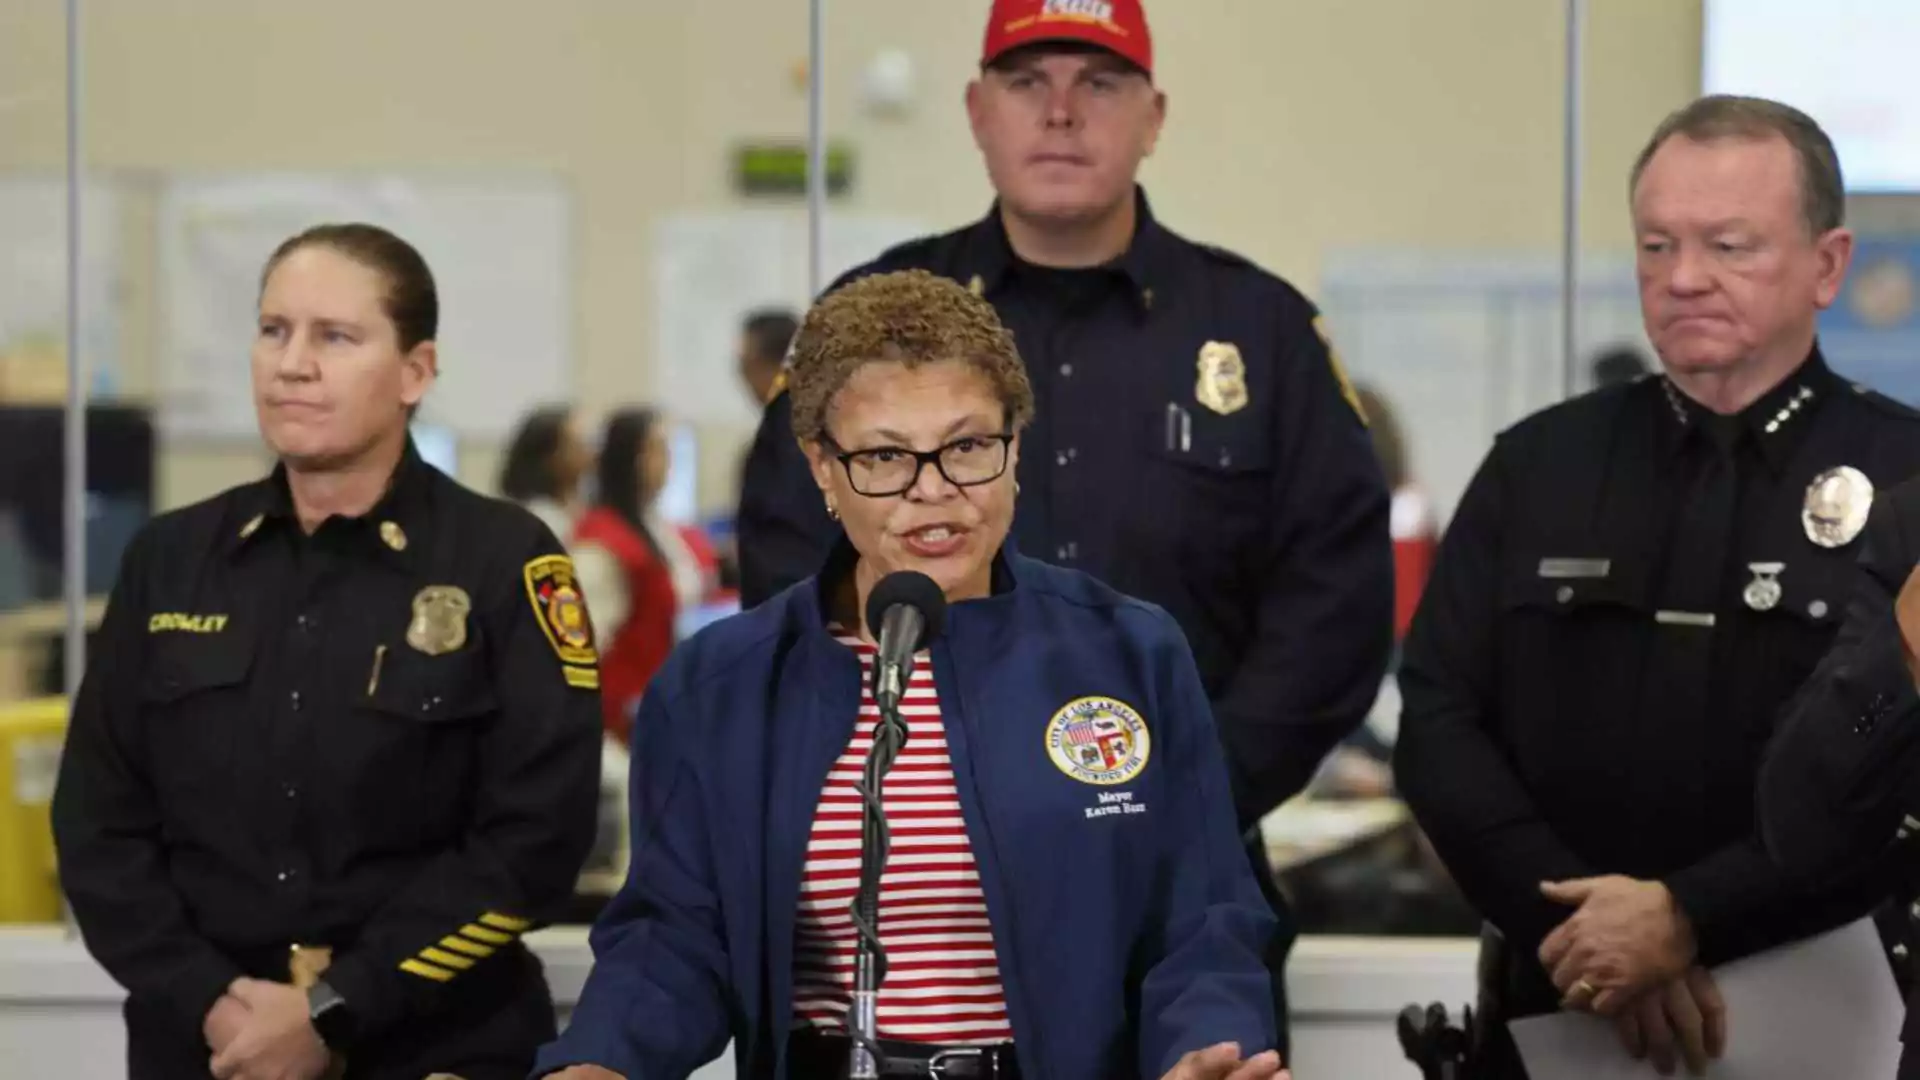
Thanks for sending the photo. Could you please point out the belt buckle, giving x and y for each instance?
(306, 963)
(937, 1064)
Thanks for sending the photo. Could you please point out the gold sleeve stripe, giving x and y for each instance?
(582, 678)
(425, 970)
(506, 922)
(462, 945)
(446, 959)
(481, 933)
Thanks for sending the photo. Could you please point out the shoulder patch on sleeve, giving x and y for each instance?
(561, 610)
(1340, 371)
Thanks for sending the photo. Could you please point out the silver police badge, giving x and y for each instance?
(1836, 506)
(1763, 592)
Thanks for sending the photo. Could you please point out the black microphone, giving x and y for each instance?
(907, 609)
(906, 612)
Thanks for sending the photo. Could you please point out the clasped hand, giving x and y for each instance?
(1626, 938)
(1685, 1020)
(260, 1031)
(1628, 952)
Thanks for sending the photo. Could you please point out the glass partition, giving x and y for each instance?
(608, 191)
(37, 259)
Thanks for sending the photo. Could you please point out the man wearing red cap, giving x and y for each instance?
(1195, 444)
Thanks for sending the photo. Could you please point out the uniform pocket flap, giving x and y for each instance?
(1569, 582)
(405, 683)
(1815, 590)
(1196, 438)
(187, 665)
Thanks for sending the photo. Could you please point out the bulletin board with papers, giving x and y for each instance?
(712, 269)
(34, 268)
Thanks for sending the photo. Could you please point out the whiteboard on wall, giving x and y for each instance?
(502, 257)
(33, 275)
(711, 269)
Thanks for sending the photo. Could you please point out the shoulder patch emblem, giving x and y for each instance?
(1098, 740)
(561, 609)
(1340, 371)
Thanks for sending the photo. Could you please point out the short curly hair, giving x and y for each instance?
(910, 317)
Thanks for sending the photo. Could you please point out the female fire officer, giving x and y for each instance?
(1065, 895)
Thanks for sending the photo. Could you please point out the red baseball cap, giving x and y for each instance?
(1118, 26)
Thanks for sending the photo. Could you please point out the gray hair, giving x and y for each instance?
(1823, 194)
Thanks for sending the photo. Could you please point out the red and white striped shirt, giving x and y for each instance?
(943, 980)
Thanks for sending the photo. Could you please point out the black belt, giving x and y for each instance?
(817, 1055)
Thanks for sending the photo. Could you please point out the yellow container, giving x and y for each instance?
(31, 734)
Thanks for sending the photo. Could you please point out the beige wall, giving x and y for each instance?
(1296, 128)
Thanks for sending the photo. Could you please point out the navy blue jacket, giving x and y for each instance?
(1124, 940)
(1257, 518)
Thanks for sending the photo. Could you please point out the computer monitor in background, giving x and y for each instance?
(1849, 65)
(679, 499)
(119, 494)
(438, 446)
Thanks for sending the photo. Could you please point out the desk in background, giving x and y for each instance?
(27, 639)
(60, 1013)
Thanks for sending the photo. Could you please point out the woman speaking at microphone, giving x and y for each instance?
(1064, 895)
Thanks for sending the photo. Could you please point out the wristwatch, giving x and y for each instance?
(330, 1016)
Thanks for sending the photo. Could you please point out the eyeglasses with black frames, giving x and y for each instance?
(885, 471)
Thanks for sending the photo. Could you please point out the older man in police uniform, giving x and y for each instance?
(1196, 444)
(1634, 583)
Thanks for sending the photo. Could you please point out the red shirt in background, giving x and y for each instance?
(639, 645)
(1416, 540)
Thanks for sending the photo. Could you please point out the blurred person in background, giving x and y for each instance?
(1415, 532)
(546, 468)
(1196, 445)
(734, 923)
(336, 748)
(1618, 365)
(764, 338)
(622, 525)
(1634, 584)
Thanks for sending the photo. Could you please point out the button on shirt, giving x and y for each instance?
(373, 737)
(1195, 445)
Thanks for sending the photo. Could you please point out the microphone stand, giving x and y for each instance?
(870, 957)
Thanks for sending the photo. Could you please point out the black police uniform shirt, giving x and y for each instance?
(1627, 594)
(383, 738)
(1842, 777)
(1841, 780)
(1196, 446)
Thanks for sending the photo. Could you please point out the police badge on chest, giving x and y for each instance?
(439, 623)
(1832, 514)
